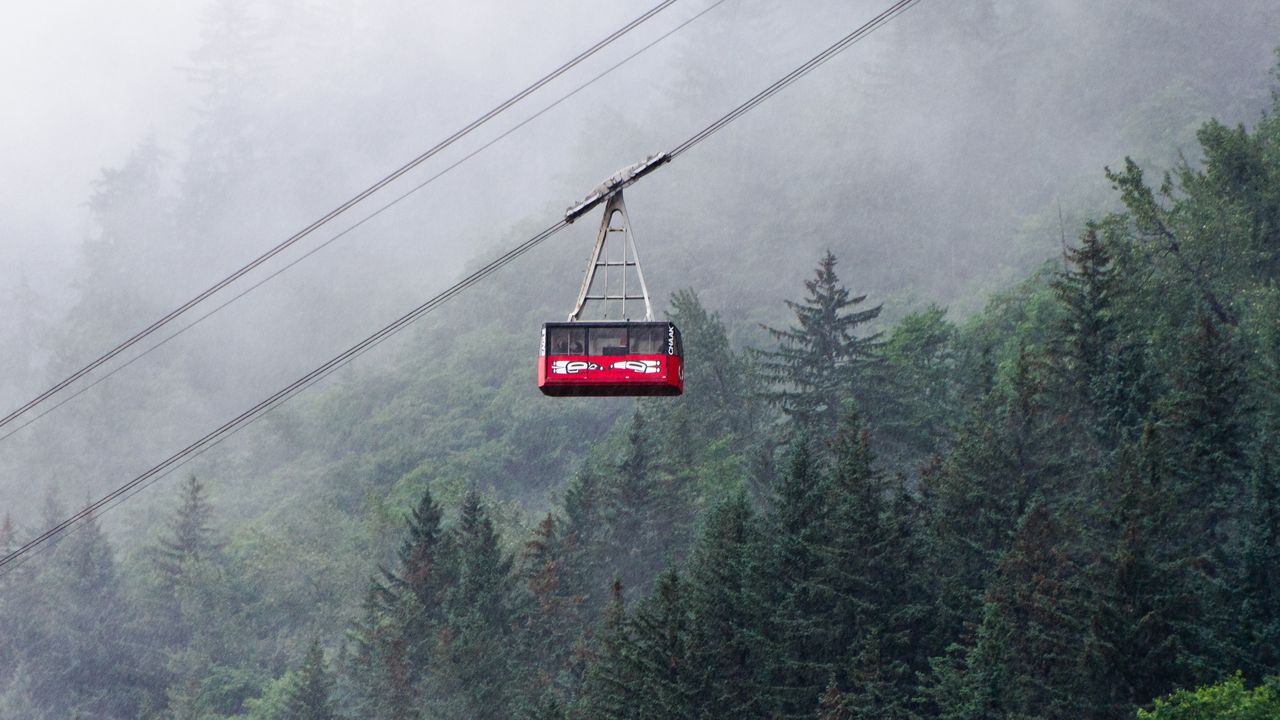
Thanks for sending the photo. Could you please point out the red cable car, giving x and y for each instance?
(612, 357)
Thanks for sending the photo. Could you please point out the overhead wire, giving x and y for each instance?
(102, 377)
(248, 416)
(334, 213)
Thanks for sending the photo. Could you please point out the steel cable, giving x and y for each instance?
(245, 418)
(332, 214)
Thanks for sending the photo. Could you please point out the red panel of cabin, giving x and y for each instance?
(611, 359)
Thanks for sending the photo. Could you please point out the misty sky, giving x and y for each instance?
(994, 133)
(82, 80)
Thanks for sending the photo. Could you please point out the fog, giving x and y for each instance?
(152, 148)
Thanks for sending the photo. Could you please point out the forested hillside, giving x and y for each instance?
(1067, 506)
(867, 504)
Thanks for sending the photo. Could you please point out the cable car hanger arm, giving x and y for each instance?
(619, 180)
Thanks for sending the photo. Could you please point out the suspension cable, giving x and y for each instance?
(289, 391)
(332, 214)
(102, 377)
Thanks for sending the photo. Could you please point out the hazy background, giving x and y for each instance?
(152, 148)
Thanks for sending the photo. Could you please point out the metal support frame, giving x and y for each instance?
(614, 207)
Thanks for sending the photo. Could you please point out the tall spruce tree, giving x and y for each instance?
(476, 665)
(643, 516)
(1097, 360)
(612, 682)
(1147, 629)
(395, 641)
(799, 632)
(83, 664)
(821, 361)
(550, 614)
(190, 537)
(1025, 660)
(727, 613)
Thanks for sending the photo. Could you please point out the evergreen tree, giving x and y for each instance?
(475, 666)
(1100, 367)
(918, 398)
(1204, 434)
(611, 683)
(800, 632)
(1006, 454)
(821, 361)
(396, 639)
(1147, 631)
(190, 537)
(659, 653)
(83, 662)
(875, 566)
(586, 539)
(1258, 587)
(309, 697)
(550, 617)
(832, 704)
(1026, 657)
(644, 519)
(727, 613)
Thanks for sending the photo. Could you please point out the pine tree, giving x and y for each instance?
(611, 683)
(551, 614)
(1029, 642)
(475, 662)
(82, 666)
(396, 640)
(659, 653)
(821, 361)
(727, 613)
(718, 382)
(1087, 290)
(190, 537)
(586, 539)
(800, 632)
(1258, 586)
(1096, 360)
(918, 395)
(1005, 455)
(881, 608)
(641, 516)
(1203, 431)
(309, 696)
(1148, 628)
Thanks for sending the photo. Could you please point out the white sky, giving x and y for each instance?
(82, 82)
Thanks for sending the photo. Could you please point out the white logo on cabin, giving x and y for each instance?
(572, 367)
(646, 367)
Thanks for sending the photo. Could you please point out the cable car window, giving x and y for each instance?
(647, 340)
(566, 341)
(607, 341)
(558, 341)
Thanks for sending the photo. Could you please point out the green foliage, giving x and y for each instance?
(821, 361)
(1065, 506)
(309, 696)
(1227, 700)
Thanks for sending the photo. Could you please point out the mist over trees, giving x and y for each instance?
(974, 427)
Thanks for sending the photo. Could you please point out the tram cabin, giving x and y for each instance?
(593, 359)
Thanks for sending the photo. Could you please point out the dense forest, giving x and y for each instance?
(1065, 504)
